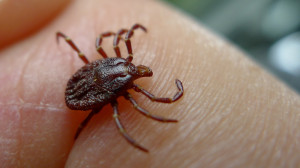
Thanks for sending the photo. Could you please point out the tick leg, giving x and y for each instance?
(117, 39)
(99, 41)
(145, 112)
(128, 36)
(178, 83)
(71, 43)
(122, 130)
(86, 120)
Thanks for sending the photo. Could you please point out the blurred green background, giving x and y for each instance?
(268, 30)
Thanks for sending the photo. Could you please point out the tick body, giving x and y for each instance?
(102, 81)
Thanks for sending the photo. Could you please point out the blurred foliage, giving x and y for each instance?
(259, 27)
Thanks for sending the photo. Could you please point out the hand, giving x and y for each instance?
(232, 114)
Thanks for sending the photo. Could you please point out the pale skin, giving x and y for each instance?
(233, 113)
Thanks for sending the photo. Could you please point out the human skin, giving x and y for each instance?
(20, 18)
(232, 114)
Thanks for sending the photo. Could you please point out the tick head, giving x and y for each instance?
(143, 71)
(139, 71)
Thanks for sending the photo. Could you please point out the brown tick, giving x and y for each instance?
(103, 81)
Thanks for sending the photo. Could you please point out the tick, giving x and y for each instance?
(102, 81)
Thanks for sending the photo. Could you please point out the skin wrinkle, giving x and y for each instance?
(284, 138)
(211, 104)
(20, 85)
(264, 135)
(243, 140)
(8, 140)
(20, 92)
(273, 150)
(195, 131)
(215, 123)
(271, 158)
(48, 93)
(23, 102)
(70, 56)
(252, 148)
(261, 134)
(33, 58)
(20, 139)
(33, 105)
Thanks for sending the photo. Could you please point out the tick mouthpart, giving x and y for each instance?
(144, 71)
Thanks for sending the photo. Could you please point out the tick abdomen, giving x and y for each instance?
(83, 92)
